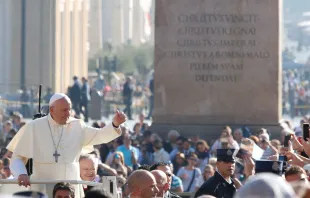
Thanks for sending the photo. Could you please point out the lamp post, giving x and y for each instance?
(23, 45)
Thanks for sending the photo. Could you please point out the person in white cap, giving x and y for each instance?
(55, 142)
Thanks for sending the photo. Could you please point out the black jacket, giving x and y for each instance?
(171, 195)
(75, 93)
(218, 187)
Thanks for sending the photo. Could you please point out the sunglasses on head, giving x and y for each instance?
(303, 179)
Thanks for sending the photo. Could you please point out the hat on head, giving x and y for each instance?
(265, 166)
(226, 155)
(57, 96)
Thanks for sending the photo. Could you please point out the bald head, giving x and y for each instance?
(142, 183)
(138, 177)
(160, 176)
(162, 182)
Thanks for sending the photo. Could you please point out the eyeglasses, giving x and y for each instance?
(161, 185)
(193, 159)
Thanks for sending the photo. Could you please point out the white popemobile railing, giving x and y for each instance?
(108, 183)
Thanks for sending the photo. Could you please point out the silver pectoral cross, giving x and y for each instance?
(56, 155)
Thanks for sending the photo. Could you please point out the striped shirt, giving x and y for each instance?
(176, 183)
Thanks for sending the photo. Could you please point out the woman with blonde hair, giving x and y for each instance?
(118, 164)
(202, 151)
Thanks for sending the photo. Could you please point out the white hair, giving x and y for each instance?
(90, 157)
(173, 133)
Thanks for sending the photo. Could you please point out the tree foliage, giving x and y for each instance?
(135, 60)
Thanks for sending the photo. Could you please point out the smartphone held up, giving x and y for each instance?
(287, 138)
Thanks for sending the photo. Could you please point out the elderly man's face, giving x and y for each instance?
(88, 170)
(61, 111)
(297, 177)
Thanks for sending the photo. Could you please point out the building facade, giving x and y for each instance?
(128, 21)
(94, 27)
(45, 42)
(5, 45)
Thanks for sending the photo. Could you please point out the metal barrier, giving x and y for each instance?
(9, 187)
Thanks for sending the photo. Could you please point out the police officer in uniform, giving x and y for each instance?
(221, 184)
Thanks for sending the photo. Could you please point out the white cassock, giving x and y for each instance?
(35, 141)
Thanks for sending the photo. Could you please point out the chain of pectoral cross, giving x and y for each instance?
(56, 154)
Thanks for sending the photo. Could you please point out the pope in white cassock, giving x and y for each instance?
(55, 143)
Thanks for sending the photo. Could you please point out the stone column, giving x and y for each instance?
(216, 64)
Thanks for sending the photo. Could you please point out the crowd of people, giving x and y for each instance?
(239, 163)
(128, 94)
(147, 165)
(295, 93)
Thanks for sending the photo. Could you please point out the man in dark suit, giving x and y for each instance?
(75, 96)
(127, 97)
(85, 98)
(221, 184)
(151, 105)
(166, 169)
